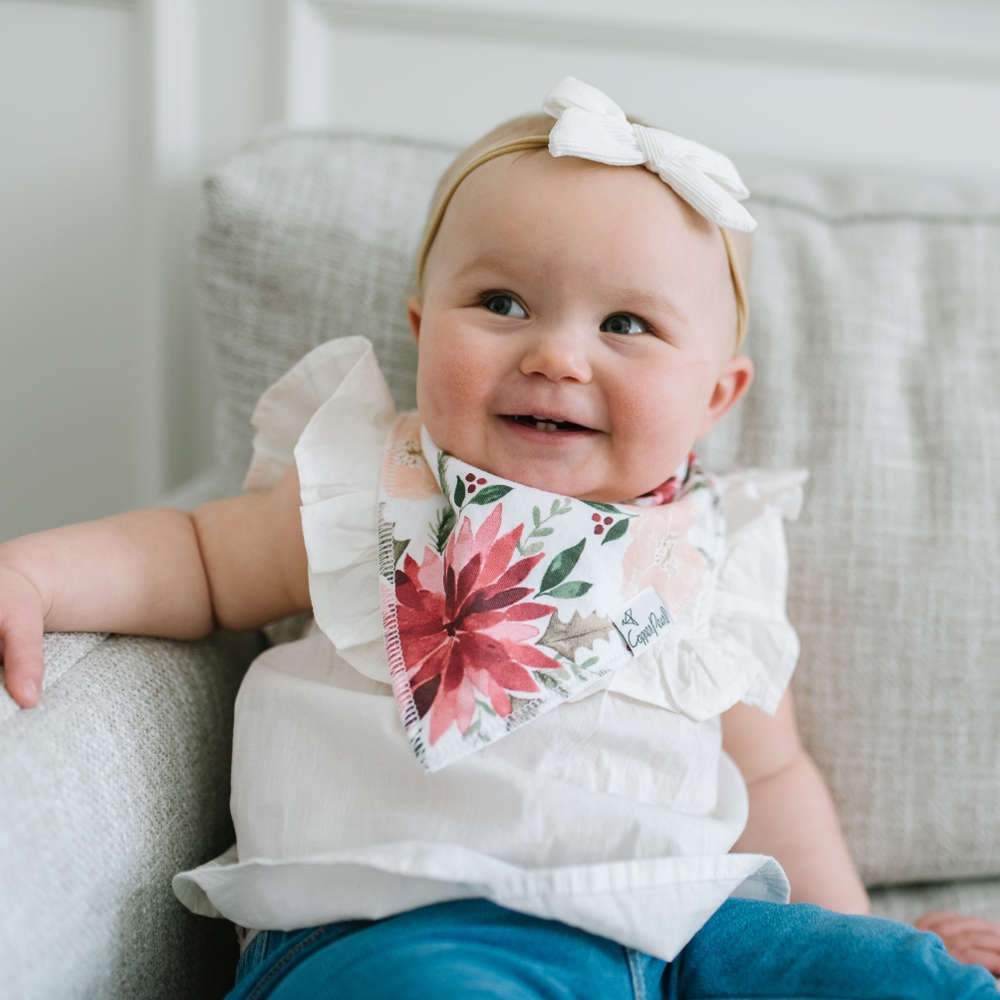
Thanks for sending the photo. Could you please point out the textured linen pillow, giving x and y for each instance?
(874, 328)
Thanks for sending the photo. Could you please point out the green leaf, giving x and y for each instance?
(541, 532)
(459, 492)
(536, 516)
(441, 473)
(533, 549)
(555, 507)
(606, 507)
(575, 588)
(445, 522)
(561, 566)
(490, 494)
(615, 531)
(398, 548)
(589, 662)
(545, 678)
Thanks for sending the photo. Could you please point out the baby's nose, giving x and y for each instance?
(557, 353)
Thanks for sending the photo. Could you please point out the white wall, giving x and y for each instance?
(71, 435)
(112, 111)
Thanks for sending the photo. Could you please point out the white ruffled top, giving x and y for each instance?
(614, 813)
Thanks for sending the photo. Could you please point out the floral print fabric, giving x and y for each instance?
(501, 601)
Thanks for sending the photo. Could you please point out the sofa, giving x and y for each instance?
(875, 332)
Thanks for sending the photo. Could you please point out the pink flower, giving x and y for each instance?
(659, 555)
(463, 623)
(405, 473)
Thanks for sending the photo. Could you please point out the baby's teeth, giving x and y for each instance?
(543, 425)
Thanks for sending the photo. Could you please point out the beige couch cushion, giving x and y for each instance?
(874, 326)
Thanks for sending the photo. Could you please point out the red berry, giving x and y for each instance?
(608, 520)
(469, 476)
(472, 487)
(481, 481)
(595, 517)
(598, 529)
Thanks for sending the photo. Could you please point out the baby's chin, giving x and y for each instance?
(583, 471)
(563, 480)
(572, 481)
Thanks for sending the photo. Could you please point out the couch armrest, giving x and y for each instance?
(119, 780)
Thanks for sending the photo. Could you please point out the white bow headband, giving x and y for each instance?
(592, 126)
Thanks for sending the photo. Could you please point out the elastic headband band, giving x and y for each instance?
(542, 142)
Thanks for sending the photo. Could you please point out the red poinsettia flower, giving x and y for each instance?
(463, 621)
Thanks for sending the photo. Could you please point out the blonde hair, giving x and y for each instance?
(531, 132)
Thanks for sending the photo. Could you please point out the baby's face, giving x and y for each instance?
(578, 293)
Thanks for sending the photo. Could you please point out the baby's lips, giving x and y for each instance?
(549, 417)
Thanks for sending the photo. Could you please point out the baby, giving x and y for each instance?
(537, 740)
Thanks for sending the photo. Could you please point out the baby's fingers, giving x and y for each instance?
(931, 918)
(955, 924)
(972, 940)
(21, 629)
(988, 957)
(969, 939)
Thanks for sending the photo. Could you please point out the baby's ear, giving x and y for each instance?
(734, 380)
(414, 310)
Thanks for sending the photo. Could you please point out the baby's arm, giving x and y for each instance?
(792, 815)
(234, 563)
(793, 818)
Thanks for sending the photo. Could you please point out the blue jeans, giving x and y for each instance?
(473, 949)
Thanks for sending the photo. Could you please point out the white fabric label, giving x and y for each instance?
(642, 620)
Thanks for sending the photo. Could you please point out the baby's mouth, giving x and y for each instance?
(541, 424)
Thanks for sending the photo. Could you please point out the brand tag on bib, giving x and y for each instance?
(643, 620)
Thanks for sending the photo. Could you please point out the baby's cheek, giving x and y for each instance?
(650, 441)
(643, 408)
(449, 400)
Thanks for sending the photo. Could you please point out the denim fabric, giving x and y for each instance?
(473, 949)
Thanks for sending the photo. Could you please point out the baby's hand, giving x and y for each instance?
(969, 939)
(22, 622)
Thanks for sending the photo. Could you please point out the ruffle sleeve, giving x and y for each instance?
(743, 648)
(749, 619)
(330, 414)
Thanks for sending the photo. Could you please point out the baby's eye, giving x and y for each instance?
(617, 326)
(500, 308)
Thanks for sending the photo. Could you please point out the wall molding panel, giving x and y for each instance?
(168, 158)
(891, 36)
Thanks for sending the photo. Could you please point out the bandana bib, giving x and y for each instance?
(501, 602)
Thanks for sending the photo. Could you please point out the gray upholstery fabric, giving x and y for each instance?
(974, 898)
(875, 333)
(308, 237)
(874, 328)
(117, 782)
